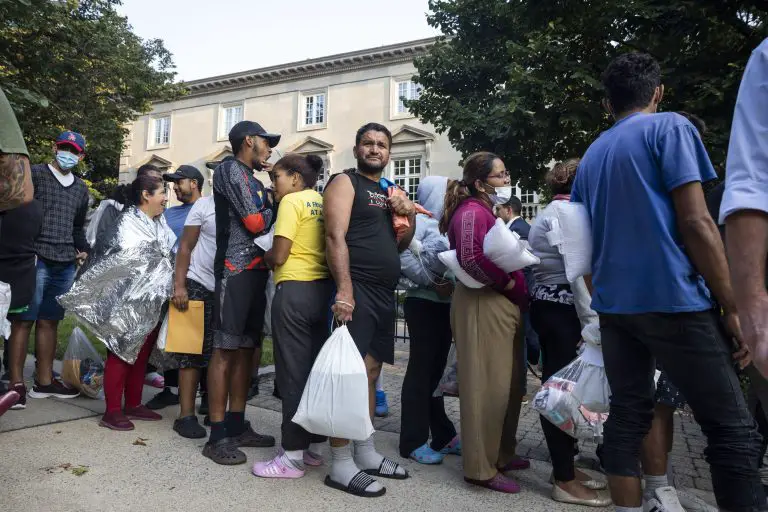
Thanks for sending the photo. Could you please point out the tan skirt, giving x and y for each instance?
(489, 350)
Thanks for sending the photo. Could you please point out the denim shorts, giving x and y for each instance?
(53, 279)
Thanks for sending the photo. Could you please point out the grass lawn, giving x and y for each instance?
(69, 323)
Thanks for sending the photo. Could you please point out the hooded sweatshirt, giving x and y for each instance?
(431, 195)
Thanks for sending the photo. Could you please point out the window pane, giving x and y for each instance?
(320, 113)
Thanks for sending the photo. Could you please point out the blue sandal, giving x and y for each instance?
(426, 455)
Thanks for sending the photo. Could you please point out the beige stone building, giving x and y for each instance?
(316, 105)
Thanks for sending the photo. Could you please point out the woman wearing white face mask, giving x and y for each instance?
(485, 324)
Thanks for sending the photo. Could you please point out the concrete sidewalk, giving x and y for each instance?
(46, 444)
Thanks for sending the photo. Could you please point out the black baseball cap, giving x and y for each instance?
(186, 172)
(245, 129)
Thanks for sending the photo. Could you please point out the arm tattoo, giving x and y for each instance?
(13, 168)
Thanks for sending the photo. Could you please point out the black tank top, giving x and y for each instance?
(373, 254)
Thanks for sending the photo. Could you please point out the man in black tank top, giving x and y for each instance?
(364, 258)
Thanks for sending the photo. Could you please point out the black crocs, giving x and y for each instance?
(189, 427)
(224, 452)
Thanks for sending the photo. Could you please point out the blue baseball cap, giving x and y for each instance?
(73, 139)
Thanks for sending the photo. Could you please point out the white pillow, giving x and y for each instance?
(451, 261)
(505, 249)
(572, 235)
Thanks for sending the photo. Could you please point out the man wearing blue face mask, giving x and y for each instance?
(59, 245)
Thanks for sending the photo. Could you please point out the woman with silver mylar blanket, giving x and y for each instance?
(121, 296)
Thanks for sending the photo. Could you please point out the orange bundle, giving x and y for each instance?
(401, 222)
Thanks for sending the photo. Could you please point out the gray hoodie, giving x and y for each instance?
(431, 195)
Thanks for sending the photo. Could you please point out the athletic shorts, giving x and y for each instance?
(238, 310)
(373, 321)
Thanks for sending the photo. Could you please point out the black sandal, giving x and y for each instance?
(388, 469)
(357, 486)
(250, 439)
(224, 452)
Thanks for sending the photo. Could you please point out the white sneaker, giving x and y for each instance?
(692, 503)
(664, 500)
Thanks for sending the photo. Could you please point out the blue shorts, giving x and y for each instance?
(53, 279)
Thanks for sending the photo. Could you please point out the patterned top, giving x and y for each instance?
(62, 235)
(560, 293)
(243, 212)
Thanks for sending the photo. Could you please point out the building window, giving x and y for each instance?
(312, 111)
(161, 131)
(406, 172)
(324, 173)
(527, 196)
(406, 90)
(229, 115)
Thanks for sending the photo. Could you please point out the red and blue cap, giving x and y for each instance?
(73, 139)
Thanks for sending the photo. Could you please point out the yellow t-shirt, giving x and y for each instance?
(300, 219)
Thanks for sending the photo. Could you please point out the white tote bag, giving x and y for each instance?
(335, 399)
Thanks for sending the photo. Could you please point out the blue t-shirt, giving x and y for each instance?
(175, 217)
(625, 181)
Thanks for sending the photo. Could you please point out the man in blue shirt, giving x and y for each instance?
(654, 248)
(188, 186)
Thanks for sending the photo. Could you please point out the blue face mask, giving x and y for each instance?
(66, 160)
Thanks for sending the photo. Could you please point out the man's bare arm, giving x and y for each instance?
(15, 181)
(747, 241)
(337, 210)
(703, 243)
(187, 244)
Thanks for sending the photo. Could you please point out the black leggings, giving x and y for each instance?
(559, 333)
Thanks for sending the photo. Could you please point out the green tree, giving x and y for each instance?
(77, 65)
(521, 78)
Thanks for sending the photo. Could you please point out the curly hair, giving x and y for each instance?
(560, 178)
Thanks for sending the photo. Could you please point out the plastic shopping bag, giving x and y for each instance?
(400, 223)
(449, 384)
(5, 305)
(270, 292)
(335, 399)
(162, 337)
(83, 367)
(577, 398)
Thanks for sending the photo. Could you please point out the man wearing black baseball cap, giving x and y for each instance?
(243, 212)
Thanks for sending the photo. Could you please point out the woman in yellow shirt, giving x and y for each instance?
(300, 305)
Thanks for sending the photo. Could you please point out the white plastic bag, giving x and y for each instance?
(265, 241)
(5, 305)
(451, 261)
(270, 292)
(449, 383)
(505, 249)
(335, 399)
(163, 334)
(577, 398)
(572, 235)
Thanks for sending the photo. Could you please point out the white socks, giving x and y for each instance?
(366, 456)
(343, 468)
(652, 483)
(380, 381)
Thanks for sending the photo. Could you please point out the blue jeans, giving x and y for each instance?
(53, 279)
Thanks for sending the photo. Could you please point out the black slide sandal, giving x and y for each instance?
(388, 469)
(356, 486)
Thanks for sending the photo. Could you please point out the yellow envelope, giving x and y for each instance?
(186, 329)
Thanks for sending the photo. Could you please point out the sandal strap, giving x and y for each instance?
(388, 467)
(360, 482)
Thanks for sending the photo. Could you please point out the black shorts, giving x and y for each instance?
(373, 321)
(238, 312)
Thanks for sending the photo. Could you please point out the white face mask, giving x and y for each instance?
(503, 194)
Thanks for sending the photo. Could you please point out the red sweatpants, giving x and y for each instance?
(121, 377)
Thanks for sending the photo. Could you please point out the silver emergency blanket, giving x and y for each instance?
(120, 295)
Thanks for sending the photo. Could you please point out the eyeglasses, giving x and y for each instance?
(501, 175)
